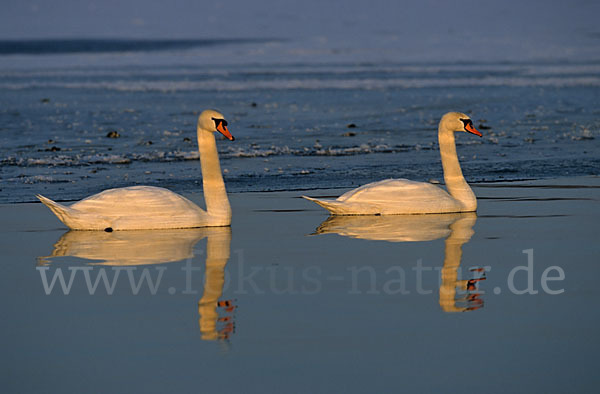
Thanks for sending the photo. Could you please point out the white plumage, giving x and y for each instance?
(402, 196)
(148, 207)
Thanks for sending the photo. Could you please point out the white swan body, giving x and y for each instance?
(148, 207)
(402, 196)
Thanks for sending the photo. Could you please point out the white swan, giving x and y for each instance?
(401, 196)
(148, 207)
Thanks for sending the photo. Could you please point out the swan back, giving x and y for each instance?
(139, 207)
(402, 196)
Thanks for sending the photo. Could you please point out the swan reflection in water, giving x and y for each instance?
(457, 228)
(147, 247)
(217, 255)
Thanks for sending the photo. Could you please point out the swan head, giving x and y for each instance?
(457, 121)
(213, 121)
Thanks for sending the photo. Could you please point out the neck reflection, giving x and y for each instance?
(216, 316)
(148, 247)
(457, 228)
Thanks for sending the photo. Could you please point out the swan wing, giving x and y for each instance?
(394, 190)
(402, 196)
(143, 207)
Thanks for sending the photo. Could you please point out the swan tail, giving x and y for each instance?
(345, 208)
(334, 207)
(62, 212)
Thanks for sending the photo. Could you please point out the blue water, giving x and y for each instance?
(291, 106)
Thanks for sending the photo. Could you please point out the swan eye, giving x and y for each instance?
(218, 122)
(467, 122)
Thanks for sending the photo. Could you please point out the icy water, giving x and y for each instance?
(303, 118)
(287, 299)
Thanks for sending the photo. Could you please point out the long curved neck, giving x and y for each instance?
(453, 176)
(215, 195)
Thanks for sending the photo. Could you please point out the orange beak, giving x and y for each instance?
(223, 130)
(469, 127)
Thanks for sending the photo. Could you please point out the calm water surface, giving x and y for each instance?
(289, 301)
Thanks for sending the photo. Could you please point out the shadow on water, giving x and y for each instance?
(516, 199)
(457, 229)
(61, 46)
(540, 186)
(148, 247)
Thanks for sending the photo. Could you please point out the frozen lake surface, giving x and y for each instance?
(300, 122)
